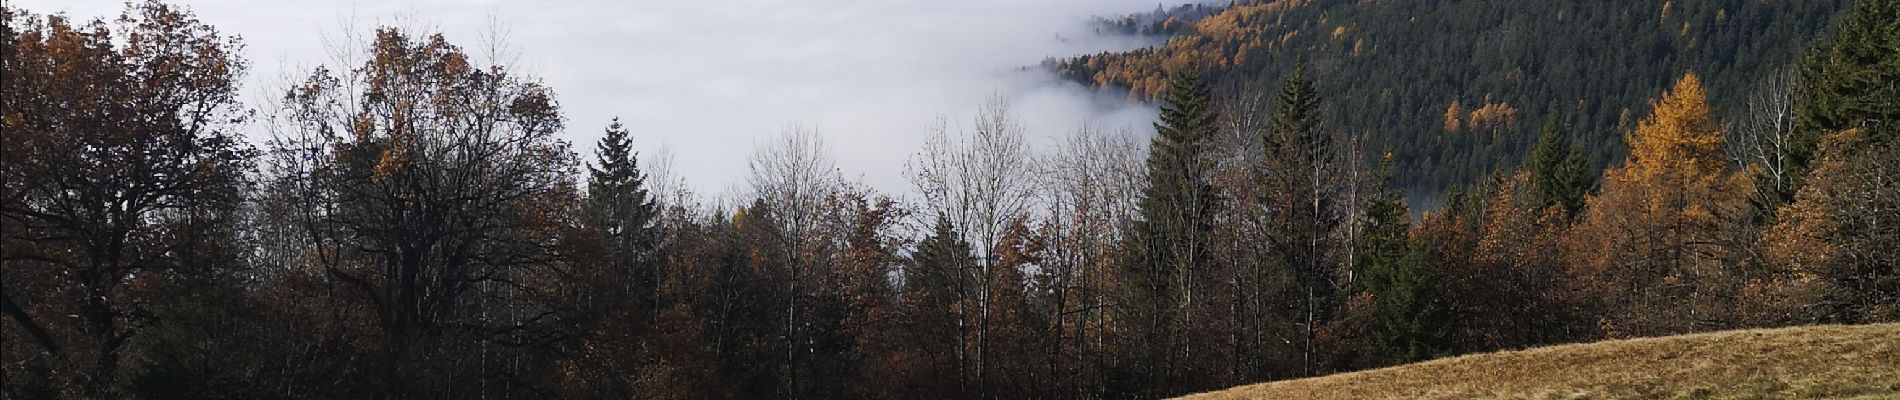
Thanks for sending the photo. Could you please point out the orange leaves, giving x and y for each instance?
(1679, 134)
(391, 162)
(1454, 117)
(1676, 159)
(1801, 239)
(1492, 118)
(1489, 118)
(1220, 41)
(1664, 227)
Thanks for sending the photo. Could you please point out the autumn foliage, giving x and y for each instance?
(416, 227)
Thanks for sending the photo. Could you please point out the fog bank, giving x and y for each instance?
(709, 79)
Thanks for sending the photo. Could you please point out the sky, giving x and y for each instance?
(709, 80)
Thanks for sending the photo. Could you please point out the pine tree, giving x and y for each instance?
(1176, 213)
(619, 205)
(1559, 174)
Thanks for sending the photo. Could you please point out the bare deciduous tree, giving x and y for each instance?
(982, 181)
(1092, 186)
(1763, 141)
(793, 177)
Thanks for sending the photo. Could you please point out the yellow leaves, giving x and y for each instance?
(364, 126)
(1492, 118)
(1223, 25)
(1697, 212)
(1667, 214)
(1680, 134)
(1454, 117)
(1228, 24)
(1489, 117)
(390, 162)
(1220, 41)
(1676, 161)
(1514, 232)
(1171, 24)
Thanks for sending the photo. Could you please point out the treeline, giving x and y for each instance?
(1460, 89)
(413, 229)
(1160, 22)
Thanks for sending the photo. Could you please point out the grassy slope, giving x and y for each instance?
(1805, 362)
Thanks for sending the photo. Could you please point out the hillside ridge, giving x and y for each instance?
(1831, 361)
(1459, 89)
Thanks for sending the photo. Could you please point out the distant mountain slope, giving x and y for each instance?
(1804, 363)
(1391, 69)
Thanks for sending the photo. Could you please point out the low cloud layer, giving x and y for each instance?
(709, 79)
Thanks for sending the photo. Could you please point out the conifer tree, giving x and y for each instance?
(1176, 213)
(1408, 320)
(620, 206)
(1301, 182)
(1838, 227)
(1559, 174)
(1851, 80)
(939, 288)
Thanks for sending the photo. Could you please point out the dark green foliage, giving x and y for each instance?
(1559, 175)
(939, 280)
(1296, 124)
(1397, 64)
(618, 204)
(1851, 79)
(1408, 320)
(217, 343)
(1177, 210)
(1300, 158)
(1301, 187)
(938, 266)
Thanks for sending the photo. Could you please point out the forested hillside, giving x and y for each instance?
(1459, 89)
(414, 227)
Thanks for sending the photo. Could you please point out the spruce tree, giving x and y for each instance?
(1851, 79)
(1559, 174)
(1296, 123)
(1176, 213)
(1301, 181)
(618, 204)
(1847, 121)
(1408, 320)
(938, 266)
(938, 292)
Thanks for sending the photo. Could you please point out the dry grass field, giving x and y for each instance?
(1817, 362)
